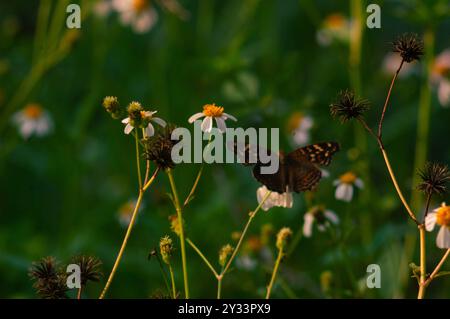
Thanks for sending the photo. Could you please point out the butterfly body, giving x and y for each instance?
(299, 170)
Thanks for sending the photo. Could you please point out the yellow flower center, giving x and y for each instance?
(348, 178)
(441, 69)
(139, 5)
(212, 110)
(33, 111)
(335, 21)
(443, 216)
(294, 121)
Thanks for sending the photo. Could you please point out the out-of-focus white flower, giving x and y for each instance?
(335, 28)
(147, 117)
(210, 112)
(299, 126)
(33, 120)
(440, 216)
(246, 262)
(102, 8)
(344, 186)
(140, 14)
(440, 77)
(322, 217)
(274, 200)
(392, 61)
(126, 212)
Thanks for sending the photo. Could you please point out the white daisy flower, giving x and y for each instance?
(440, 77)
(440, 216)
(33, 119)
(344, 186)
(335, 28)
(102, 8)
(147, 117)
(274, 200)
(210, 112)
(299, 126)
(322, 217)
(126, 212)
(137, 13)
(444, 92)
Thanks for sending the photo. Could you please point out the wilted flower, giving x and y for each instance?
(112, 106)
(321, 216)
(434, 178)
(348, 107)
(274, 200)
(440, 216)
(282, 237)
(139, 118)
(409, 46)
(166, 249)
(300, 125)
(210, 112)
(89, 268)
(140, 14)
(224, 253)
(335, 27)
(159, 148)
(33, 119)
(344, 186)
(50, 281)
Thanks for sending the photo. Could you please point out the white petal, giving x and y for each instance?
(207, 124)
(443, 238)
(288, 200)
(325, 173)
(301, 137)
(150, 130)
(195, 117)
(430, 221)
(229, 116)
(27, 128)
(128, 129)
(444, 93)
(307, 226)
(344, 192)
(126, 120)
(43, 126)
(359, 183)
(145, 21)
(159, 121)
(306, 123)
(332, 217)
(221, 124)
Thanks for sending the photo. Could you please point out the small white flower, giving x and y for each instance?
(439, 77)
(33, 119)
(440, 216)
(274, 200)
(126, 212)
(444, 92)
(334, 28)
(210, 112)
(322, 217)
(300, 125)
(344, 186)
(102, 8)
(147, 116)
(246, 262)
(137, 13)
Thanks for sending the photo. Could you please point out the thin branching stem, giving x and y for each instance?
(202, 256)
(274, 272)
(438, 267)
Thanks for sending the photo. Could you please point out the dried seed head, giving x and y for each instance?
(224, 253)
(409, 46)
(348, 107)
(283, 236)
(89, 267)
(112, 106)
(49, 280)
(158, 148)
(434, 179)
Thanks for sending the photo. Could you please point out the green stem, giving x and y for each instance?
(182, 239)
(138, 162)
(423, 259)
(274, 273)
(172, 279)
(219, 288)
(202, 256)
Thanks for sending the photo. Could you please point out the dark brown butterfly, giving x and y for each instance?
(298, 170)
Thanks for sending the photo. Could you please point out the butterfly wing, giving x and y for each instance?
(302, 175)
(320, 153)
(275, 182)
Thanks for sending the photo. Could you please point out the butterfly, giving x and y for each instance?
(298, 170)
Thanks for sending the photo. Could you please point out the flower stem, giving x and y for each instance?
(202, 256)
(250, 218)
(127, 234)
(438, 267)
(274, 273)
(172, 279)
(219, 287)
(138, 162)
(79, 292)
(194, 187)
(423, 260)
(182, 240)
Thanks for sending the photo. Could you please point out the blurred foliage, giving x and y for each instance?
(61, 194)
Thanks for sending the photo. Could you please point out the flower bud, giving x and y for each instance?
(282, 237)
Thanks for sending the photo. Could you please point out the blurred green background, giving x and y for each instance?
(61, 194)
